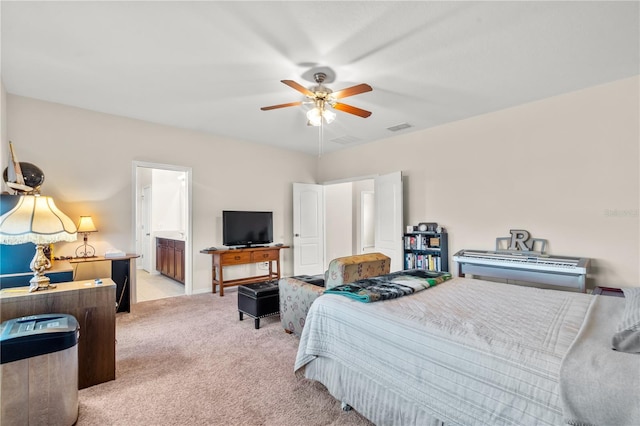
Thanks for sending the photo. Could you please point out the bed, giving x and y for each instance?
(474, 352)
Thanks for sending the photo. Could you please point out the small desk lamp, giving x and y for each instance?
(85, 226)
(36, 219)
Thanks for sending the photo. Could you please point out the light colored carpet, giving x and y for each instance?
(188, 360)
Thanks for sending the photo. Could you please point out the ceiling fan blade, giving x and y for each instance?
(300, 88)
(267, 108)
(352, 110)
(350, 91)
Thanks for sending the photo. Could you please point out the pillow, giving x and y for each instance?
(627, 337)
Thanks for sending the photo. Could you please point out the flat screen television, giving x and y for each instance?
(246, 228)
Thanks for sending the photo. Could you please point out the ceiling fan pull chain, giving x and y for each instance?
(320, 138)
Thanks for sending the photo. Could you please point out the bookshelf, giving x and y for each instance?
(426, 250)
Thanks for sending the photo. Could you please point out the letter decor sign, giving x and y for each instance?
(520, 240)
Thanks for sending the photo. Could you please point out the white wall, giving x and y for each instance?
(167, 201)
(343, 217)
(87, 160)
(564, 168)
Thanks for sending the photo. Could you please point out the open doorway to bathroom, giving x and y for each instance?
(162, 214)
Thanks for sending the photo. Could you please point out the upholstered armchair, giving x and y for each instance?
(298, 293)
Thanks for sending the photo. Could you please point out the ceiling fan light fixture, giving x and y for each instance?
(315, 116)
(322, 97)
(329, 116)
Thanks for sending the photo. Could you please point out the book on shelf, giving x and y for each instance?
(408, 261)
(427, 262)
(421, 242)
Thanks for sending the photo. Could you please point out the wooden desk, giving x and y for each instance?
(123, 273)
(243, 256)
(93, 307)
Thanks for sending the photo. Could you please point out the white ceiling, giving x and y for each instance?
(210, 66)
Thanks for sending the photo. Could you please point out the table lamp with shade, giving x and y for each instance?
(86, 226)
(36, 219)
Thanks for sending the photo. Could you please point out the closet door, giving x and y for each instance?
(388, 218)
(308, 229)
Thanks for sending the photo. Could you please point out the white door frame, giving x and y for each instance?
(188, 253)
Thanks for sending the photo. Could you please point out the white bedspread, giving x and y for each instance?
(600, 386)
(468, 351)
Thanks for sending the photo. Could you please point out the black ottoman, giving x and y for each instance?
(258, 300)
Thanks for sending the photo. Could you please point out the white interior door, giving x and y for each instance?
(146, 229)
(388, 218)
(308, 229)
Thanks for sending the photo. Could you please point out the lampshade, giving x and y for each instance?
(314, 116)
(86, 224)
(329, 116)
(36, 219)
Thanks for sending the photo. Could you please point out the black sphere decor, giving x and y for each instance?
(33, 176)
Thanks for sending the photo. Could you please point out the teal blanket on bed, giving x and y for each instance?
(390, 286)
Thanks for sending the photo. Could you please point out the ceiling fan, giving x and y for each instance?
(322, 98)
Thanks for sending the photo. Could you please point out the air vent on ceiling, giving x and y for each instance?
(345, 140)
(399, 127)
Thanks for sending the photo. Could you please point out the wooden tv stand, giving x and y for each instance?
(243, 256)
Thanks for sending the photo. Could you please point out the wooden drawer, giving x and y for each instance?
(235, 258)
(265, 255)
(164, 242)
